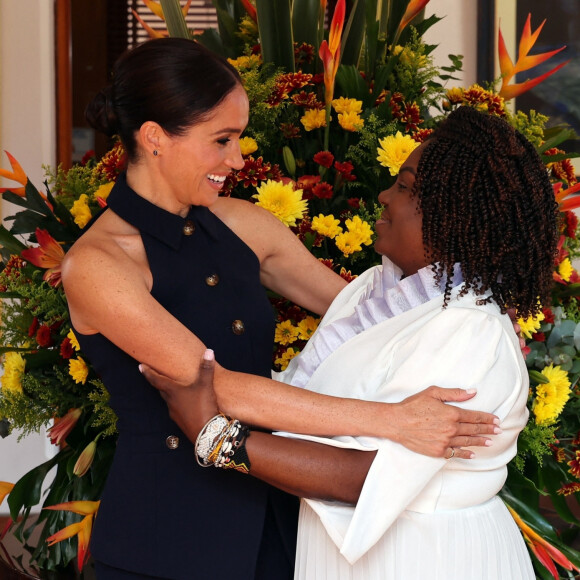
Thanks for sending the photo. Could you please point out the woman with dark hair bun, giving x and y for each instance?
(170, 269)
(468, 231)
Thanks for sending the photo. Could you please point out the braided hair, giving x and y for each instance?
(488, 204)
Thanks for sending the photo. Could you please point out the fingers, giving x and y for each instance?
(206, 369)
(467, 441)
(460, 454)
(444, 395)
(156, 379)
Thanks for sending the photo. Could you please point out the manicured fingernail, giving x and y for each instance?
(470, 391)
(140, 368)
(496, 421)
(488, 442)
(471, 455)
(497, 430)
(208, 354)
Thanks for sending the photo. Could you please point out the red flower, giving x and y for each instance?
(421, 135)
(113, 163)
(88, 157)
(66, 348)
(43, 337)
(323, 190)
(306, 100)
(303, 53)
(328, 262)
(347, 275)
(33, 327)
(48, 255)
(289, 131)
(569, 488)
(63, 426)
(354, 202)
(575, 465)
(324, 158)
(571, 224)
(548, 316)
(345, 169)
(256, 170)
(539, 337)
(306, 183)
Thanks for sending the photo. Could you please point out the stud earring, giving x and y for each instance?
(155, 152)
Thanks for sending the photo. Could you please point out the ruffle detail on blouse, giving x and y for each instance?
(386, 296)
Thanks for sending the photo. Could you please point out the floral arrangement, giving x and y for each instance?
(331, 121)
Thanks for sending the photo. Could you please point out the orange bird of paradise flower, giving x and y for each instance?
(17, 174)
(542, 549)
(48, 255)
(524, 62)
(83, 528)
(561, 195)
(413, 8)
(330, 51)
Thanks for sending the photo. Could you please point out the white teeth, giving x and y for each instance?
(216, 178)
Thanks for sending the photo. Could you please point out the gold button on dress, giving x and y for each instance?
(238, 327)
(188, 228)
(172, 442)
(212, 280)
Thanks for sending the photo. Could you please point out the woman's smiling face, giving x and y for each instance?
(400, 227)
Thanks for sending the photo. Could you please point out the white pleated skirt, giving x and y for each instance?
(477, 543)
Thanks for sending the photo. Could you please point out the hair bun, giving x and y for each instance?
(100, 112)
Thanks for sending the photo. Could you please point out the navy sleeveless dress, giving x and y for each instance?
(162, 515)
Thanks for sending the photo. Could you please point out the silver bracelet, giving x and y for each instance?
(209, 437)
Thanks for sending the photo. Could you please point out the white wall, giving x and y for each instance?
(27, 131)
(455, 34)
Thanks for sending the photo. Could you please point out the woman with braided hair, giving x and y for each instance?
(468, 231)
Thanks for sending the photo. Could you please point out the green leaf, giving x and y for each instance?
(275, 29)
(9, 241)
(176, 25)
(27, 490)
(305, 18)
(354, 33)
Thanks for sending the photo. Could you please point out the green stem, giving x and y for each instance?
(327, 128)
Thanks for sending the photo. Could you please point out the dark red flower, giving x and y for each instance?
(306, 100)
(328, 262)
(88, 157)
(354, 202)
(324, 158)
(289, 131)
(303, 53)
(548, 316)
(347, 275)
(571, 224)
(421, 135)
(43, 337)
(66, 348)
(323, 190)
(539, 337)
(256, 170)
(318, 79)
(575, 465)
(33, 327)
(345, 169)
(306, 183)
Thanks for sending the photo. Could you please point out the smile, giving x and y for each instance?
(216, 178)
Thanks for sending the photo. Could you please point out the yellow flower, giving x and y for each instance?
(14, 364)
(565, 269)
(551, 396)
(362, 228)
(73, 340)
(78, 370)
(282, 201)
(531, 325)
(359, 233)
(394, 150)
(348, 243)
(286, 357)
(455, 95)
(326, 225)
(81, 211)
(286, 332)
(342, 105)
(5, 489)
(248, 145)
(314, 119)
(103, 191)
(307, 327)
(245, 62)
(350, 121)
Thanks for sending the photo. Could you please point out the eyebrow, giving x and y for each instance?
(409, 169)
(228, 130)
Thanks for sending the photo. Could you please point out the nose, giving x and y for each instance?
(235, 160)
(384, 196)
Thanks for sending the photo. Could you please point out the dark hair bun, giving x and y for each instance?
(100, 113)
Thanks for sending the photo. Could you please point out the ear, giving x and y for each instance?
(150, 136)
